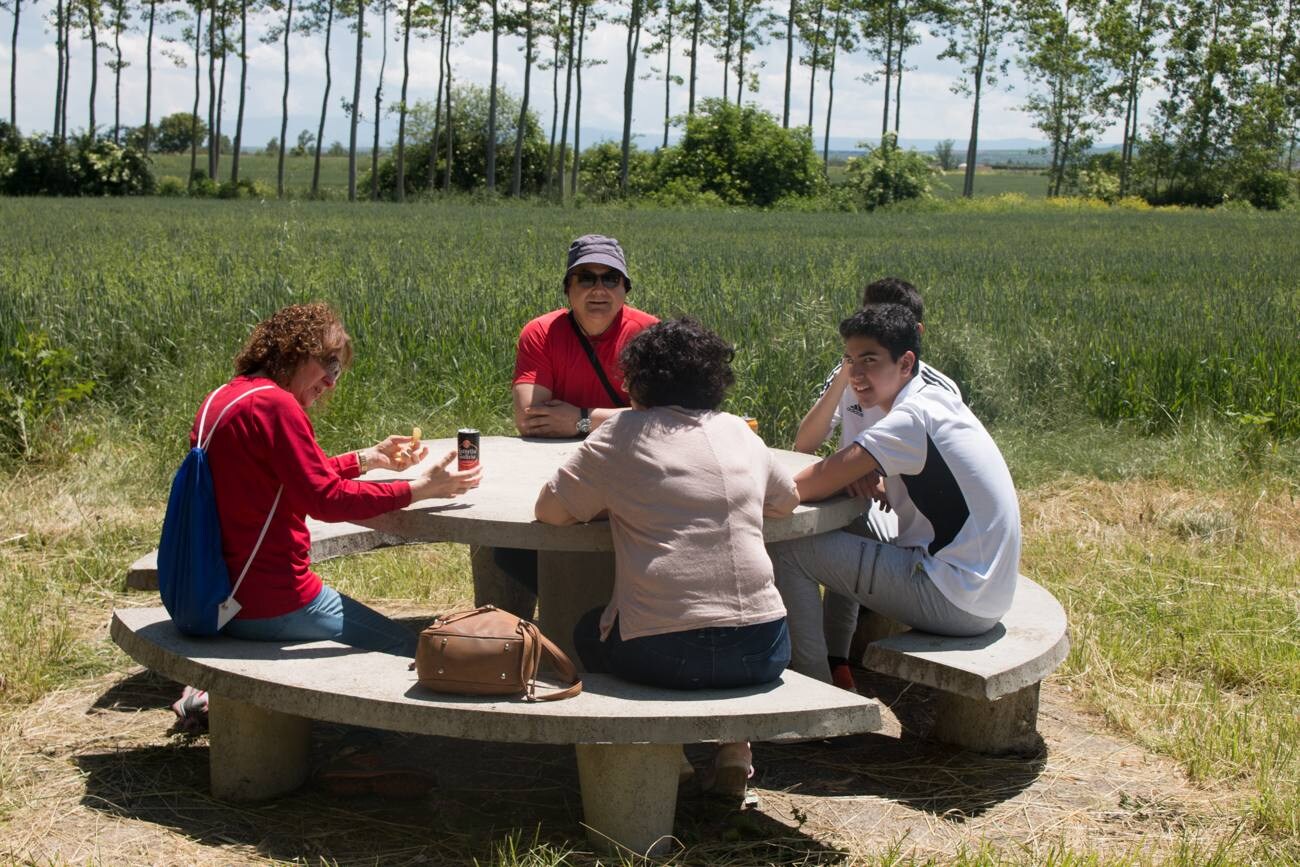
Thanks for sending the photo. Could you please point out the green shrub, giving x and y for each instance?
(37, 380)
(171, 186)
(742, 156)
(469, 149)
(888, 174)
(598, 172)
(83, 166)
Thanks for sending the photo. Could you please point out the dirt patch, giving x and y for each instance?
(97, 776)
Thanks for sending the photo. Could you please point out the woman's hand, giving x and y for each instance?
(394, 453)
(438, 481)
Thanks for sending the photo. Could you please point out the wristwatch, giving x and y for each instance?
(584, 422)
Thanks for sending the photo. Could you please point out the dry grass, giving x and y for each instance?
(1135, 770)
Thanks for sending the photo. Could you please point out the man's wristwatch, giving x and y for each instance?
(361, 462)
(584, 422)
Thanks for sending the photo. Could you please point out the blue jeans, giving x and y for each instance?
(719, 657)
(334, 617)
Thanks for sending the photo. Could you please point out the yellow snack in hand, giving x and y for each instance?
(415, 439)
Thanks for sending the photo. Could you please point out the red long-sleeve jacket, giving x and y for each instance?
(264, 441)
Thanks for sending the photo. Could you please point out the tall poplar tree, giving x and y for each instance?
(527, 23)
(322, 16)
(976, 31)
(633, 21)
(243, 90)
(354, 108)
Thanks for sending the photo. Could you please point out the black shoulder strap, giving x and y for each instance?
(595, 362)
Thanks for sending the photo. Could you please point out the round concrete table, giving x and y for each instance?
(575, 568)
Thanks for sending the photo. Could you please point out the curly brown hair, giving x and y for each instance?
(285, 340)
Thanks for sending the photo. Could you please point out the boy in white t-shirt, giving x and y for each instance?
(837, 405)
(952, 567)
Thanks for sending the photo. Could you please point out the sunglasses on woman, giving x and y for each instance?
(333, 367)
(587, 279)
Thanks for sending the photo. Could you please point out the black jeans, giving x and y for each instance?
(718, 657)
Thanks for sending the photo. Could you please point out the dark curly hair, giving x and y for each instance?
(893, 326)
(678, 362)
(894, 290)
(280, 343)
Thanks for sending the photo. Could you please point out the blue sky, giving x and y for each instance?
(930, 109)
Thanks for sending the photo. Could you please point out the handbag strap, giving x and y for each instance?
(559, 659)
(595, 363)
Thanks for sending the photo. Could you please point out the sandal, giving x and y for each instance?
(191, 710)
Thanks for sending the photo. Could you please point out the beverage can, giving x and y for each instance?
(467, 448)
(752, 422)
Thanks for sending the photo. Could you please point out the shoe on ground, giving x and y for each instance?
(733, 766)
(191, 710)
(842, 676)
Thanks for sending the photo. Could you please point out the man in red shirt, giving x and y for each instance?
(567, 377)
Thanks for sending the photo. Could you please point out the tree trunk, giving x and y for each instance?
(148, 79)
(221, 86)
(901, 46)
(727, 31)
(577, 109)
(401, 115)
(324, 103)
(629, 83)
(451, 125)
(379, 95)
(92, 19)
(67, 69)
(118, 11)
(830, 93)
(972, 146)
(695, 50)
(568, 96)
(517, 167)
(58, 81)
(284, 106)
(555, 92)
(491, 159)
(437, 102)
(356, 103)
(816, 46)
(889, 67)
(13, 68)
(741, 30)
(789, 63)
(668, 70)
(212, 89)
(243, 91)
(198, 67)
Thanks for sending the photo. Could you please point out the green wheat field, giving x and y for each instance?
(1140, 369)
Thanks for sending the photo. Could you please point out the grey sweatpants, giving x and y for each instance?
(885, 578)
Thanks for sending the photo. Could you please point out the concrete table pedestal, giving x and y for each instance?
(254, 753)
(629, 795)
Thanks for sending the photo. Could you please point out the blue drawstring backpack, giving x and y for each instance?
(192, 576)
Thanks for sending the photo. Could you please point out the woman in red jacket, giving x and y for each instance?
(269, 475)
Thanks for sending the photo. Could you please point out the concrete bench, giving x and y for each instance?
(263, 696)
(327, 541)
(988, 684)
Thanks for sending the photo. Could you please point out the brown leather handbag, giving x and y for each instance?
(488, 651)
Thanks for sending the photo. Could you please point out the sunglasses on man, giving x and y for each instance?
(587, 279)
